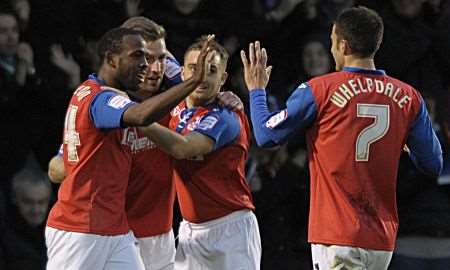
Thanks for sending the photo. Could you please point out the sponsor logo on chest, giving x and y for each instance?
(130, 138)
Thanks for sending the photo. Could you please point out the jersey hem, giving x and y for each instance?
(78, 230)
(351, 243)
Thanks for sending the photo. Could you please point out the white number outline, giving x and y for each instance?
(71, 136)
(373, 132)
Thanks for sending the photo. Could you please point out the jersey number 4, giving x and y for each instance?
(373, 132)
(71, 136)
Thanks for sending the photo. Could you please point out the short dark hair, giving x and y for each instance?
(112, 40)
(151, 31)
(362, 28)
(214, 45)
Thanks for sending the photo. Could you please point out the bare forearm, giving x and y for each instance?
(170, 142)
(179, 146)
(158, 106)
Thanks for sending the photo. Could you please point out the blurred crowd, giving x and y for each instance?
(48, 47)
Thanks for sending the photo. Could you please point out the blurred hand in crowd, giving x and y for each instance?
(66, 63)
(25, 62)
(132, 8)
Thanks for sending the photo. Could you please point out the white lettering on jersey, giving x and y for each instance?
(276, 119)
(351, 88)
(131, 139)
(118, 102)
(82, 92)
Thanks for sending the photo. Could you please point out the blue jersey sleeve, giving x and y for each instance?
(273, 128)
(221, 125)
(107, 108)
(424, 146)
(172, 75)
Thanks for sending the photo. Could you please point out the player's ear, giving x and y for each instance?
(183, 76)
(111, 59)
(224, 78)
(345, 47)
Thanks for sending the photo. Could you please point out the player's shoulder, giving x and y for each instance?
(329, 77)
(85, 91)
(221, 110)
(322, 82)
(223, 113)
(412, 92)
(401, 83)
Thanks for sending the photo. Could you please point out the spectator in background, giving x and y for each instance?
(411, 51)
(315, 58)
(23, 240)
(184, 20)
(19, 92)
(23, 10)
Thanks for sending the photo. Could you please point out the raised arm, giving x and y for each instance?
(273, 128)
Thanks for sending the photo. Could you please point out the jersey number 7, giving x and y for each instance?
(373, 132)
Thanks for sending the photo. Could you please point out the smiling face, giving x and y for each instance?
(157, 54)
(215, 77)
(131, 62)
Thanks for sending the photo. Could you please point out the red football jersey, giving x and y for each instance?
(92, 197)
(354, 147)
(213, 185)
(151, 190)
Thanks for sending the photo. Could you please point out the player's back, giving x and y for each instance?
(92, 197)
(362, 123)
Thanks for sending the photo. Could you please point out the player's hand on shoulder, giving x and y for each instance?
(230, 100)
(256, 71)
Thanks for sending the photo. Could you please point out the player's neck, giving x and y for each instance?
(109, 80)
(364, 63)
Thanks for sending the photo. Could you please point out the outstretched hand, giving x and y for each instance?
(256, 71)
(202, 61)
